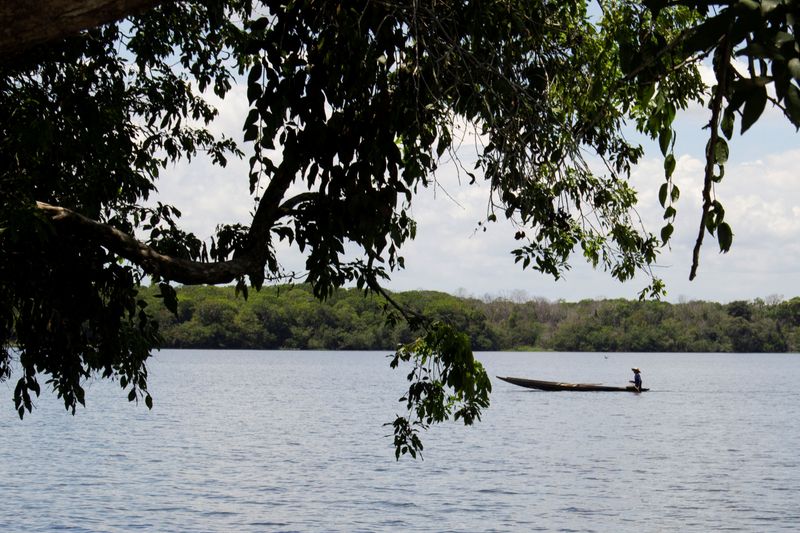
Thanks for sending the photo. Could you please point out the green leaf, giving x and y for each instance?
(666, 233)
(662, 194)
(794, 68)
(747, 5)
(255, 74)
(793, 104)
(675, 193)
(728, 119)
(721, 151)
(170, 297)
(707, 34)
(626, 56)
(241, 288)
(251, 133)
(253, 92)
(711, 223)
(780, 74)
(441, 146)
(718, 211)
(669, 167)
(132, 395)
(725, 237)
(148, 401)
(664, 137)
(753, 107)
(646, 93)
(767, 6)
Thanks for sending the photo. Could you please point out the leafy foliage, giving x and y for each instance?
(761, 33)
(351, 107)
(446, 380)
(87, 124)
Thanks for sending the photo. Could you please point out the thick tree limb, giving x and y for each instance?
(269, 210)
(26, 23)
(153, 262)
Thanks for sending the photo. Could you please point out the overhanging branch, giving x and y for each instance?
(153, 262)
(26, 23)
(721, 71)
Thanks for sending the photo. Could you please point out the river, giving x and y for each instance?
(294, 441)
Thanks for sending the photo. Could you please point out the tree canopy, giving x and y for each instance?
(351, 107)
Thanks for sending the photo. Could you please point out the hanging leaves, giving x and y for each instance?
(669, 167)
(725, 237)
(720, 151)
(753, 107)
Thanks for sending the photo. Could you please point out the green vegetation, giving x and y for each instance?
(350, 108)
(289, 317)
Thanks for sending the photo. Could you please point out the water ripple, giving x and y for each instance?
(286, 442)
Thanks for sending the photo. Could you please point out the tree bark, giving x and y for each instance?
(170, 268)
(27, 23)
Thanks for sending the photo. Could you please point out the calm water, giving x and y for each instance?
(293, 441)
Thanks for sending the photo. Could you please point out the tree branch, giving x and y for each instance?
(151, 261)
(249, 261)
(268, 212)
(27, 23)
(716, 108)
(682, 37)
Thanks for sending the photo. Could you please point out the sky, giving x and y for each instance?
(760, 192)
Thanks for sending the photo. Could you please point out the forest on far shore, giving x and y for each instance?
(290, 317)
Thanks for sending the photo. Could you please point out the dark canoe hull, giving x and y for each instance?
(556, 385)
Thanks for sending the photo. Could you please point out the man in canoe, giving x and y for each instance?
(637, 379)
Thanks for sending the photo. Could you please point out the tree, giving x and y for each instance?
(352, 104)
(26, 24)
(762, 33)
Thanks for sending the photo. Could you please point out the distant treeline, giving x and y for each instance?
(289, 317)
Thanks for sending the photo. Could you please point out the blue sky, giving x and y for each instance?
(760, 192)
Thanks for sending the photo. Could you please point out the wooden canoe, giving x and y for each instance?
(556, 385)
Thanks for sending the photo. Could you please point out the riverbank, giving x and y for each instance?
(290, 317)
